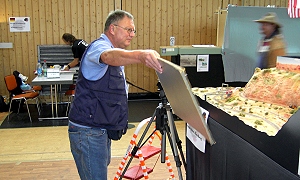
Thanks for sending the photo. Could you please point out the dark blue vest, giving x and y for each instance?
(101, 103)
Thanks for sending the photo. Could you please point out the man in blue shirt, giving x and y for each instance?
(99, 111)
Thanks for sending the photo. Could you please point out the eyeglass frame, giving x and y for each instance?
(129, 30)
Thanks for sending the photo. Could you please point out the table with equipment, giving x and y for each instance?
(213, 77)
(242, 152)
(65, 77)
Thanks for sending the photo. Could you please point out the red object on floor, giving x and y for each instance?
(148, 151)
(136, 172)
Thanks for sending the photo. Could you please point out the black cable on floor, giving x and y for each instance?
(140, 87)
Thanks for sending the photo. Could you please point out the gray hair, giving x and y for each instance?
(115, 16)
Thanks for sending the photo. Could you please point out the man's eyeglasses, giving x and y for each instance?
(129, 30)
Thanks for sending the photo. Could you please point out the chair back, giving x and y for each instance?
(11, 84)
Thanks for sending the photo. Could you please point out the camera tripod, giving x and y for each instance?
(163, 117)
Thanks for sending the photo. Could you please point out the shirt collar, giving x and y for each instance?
(103, 36)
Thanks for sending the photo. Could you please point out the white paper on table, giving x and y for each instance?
(196, 137)
(203, 46)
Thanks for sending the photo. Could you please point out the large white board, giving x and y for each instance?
(183, 103)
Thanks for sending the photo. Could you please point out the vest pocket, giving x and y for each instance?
(116, 81)
(107, 112)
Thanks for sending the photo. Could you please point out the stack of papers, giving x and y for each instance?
(53, 72)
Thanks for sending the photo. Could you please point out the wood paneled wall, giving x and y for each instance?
(190, 21)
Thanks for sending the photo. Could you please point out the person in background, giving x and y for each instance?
(99, 112)
(272, 44)
(78, 48)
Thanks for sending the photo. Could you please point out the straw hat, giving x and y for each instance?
(270, 17)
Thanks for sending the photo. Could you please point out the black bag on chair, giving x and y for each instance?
(18, 90)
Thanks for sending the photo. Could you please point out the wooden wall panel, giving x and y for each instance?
(189, 21)
(142, 20)
(4, 53)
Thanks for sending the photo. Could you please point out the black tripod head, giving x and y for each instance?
(162, 94)
(161, 114)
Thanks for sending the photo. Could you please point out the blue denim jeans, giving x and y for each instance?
(91, 149)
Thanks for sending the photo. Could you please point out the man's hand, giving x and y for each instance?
(150, 59)
(67, 68)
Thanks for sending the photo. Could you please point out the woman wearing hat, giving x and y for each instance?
(272, 44)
